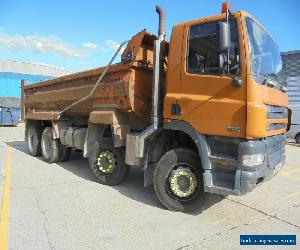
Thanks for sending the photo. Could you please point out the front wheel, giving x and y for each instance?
(178, 181)
(108, 165)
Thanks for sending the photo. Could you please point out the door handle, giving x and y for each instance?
(175, 109)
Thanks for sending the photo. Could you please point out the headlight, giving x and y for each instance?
(253, 160)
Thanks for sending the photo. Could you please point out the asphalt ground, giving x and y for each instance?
(61, 206)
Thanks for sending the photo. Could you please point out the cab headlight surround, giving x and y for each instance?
(253, 160)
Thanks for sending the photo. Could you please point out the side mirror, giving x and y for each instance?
(224, 37)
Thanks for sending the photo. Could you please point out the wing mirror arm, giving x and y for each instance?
(237, 82)
(224, 40)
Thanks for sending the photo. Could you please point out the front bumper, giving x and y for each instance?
(251, 179)
(240, 179)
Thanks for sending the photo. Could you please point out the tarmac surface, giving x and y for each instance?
(61, 206)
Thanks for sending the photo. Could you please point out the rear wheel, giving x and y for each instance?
(298, 138)
(178, 181)
(33, 140)
(65, 153)
(108, 165)
(51, 148)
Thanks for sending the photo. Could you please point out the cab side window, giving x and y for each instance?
(203, 50)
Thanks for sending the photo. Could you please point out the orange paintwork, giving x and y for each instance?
(209, 102)
(225, 7)
(257, 97)
(173, 71)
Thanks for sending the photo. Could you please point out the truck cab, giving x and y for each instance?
(232, 103)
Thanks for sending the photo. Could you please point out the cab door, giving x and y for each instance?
(208, 99)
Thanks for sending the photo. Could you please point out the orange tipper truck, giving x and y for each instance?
(204, 113)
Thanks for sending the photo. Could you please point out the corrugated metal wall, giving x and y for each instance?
(31, 68)
(10, 83)
(291, 67)
(12, 72)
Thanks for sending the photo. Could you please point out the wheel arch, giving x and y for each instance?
(180, 131)
(38, 123)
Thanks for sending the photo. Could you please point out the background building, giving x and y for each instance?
(291, 67)
(12, 72)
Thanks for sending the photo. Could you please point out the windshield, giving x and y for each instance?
(264, 54)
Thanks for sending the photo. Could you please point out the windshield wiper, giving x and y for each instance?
(284, 89)
(270, 82)
(262, 76)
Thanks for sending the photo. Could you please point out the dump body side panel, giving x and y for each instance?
(114, 90)
(127, 87)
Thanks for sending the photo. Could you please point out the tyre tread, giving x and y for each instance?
(37, 130)
(170, 158)
(55, 147)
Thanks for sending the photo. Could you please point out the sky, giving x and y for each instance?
(78, 35)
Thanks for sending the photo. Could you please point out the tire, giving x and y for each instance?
(110, 176)
(176, 164)
(51, 148)
(65, 153)
(297, 138)
(33, 140)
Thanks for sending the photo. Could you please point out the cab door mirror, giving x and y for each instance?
(224, 37)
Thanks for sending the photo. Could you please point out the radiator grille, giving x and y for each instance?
(275, 149)
(276, 112)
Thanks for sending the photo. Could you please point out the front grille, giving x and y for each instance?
(275, 149)
(274, 126)
(276, 112)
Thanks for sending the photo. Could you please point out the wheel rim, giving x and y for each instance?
(182, 181)
(46, 145)
(106, 162)
(33, 140)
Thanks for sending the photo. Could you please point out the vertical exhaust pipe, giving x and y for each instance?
(162, 25)
(158, 71)
(139, 139)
